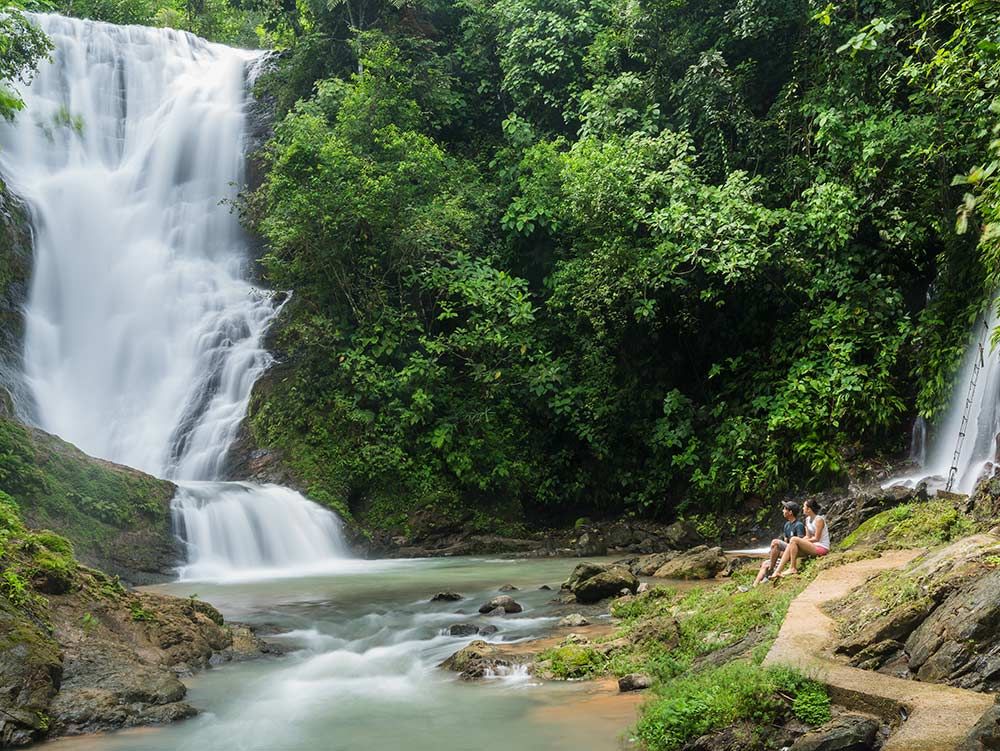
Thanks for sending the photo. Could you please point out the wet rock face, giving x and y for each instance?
(15, 274)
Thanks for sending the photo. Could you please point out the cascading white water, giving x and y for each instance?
(980, 448)
(253, 530)
(143, 335)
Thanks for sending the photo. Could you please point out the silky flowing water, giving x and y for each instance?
(143, 339)
(364, 675)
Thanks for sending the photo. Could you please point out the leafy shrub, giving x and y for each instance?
(691, 706)
(139, 613)
(812, 703)
(574, 661)
(16, 588)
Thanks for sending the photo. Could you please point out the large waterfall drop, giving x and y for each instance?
(143, 334)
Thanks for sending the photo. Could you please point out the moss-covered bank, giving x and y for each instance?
(117, 518)
(80, 653)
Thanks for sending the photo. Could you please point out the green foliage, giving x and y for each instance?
(219, 20)
(22, 46)
(139, 613)
(15, 588)
(573, 661)
(564, 257)
(692, 706)
(88, 622)
(812, 703)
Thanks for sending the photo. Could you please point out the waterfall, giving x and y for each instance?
(143, 332)
(981, 447)
(253, 530)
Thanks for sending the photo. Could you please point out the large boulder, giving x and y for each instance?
(583, 571)
(682, 534)
(935, 620)
(647, 565)
(608, 583)
(896, 625)
(463, 629)
(590, 544)
(30, 671)
(701, 562)
(845, 733)
(634, 682)
(848, 512)
(502, 602)
(959, 642)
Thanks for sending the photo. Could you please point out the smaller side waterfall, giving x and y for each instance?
(242, 530)
(978, 440)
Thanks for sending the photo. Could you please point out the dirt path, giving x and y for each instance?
(938, 717)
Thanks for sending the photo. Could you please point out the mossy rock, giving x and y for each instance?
(112, 517)
(913, 525)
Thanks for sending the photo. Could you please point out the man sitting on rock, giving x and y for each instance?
(793, 528)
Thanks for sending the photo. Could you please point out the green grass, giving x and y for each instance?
(692, 696)
(709, 619)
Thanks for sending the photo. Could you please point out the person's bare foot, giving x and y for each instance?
(790, 572)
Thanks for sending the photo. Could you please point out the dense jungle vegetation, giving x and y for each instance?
(608, 255)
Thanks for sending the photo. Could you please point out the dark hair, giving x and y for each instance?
(814, 505)
(793, 507)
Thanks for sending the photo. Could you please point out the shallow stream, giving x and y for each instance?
(364, 675)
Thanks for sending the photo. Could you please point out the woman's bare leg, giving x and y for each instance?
(801, 546)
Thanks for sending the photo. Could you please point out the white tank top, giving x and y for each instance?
(824, 538)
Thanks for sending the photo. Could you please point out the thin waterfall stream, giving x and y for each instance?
(143, 330)
(979, 450)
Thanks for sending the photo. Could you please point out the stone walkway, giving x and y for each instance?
(938, 717)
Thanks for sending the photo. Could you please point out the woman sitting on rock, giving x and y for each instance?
(816, 542)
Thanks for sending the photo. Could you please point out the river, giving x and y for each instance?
(144, 333)
(364, 675)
